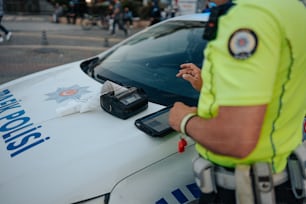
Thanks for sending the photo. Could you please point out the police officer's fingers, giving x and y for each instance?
(174, 118)
(195, 81)
(185, 65)
(185, 71)
(191, 78)
(176, 114)
(183, 108)
(189, 71)
(189, 66)
(196, 71)
(182, 72)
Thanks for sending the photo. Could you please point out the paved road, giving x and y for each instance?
(38, 44)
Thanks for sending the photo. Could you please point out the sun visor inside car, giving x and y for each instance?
(121, 101)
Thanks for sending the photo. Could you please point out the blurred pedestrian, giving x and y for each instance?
(71, 13)
(58, 12)
(7, 33)
(118, 21)
(81, 8)
(127, 17)
(110, 17)
(117, 4)
(155, 13)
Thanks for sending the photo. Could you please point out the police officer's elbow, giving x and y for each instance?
(239, 150)
(244, 149)
(242, 154)
(245, 143)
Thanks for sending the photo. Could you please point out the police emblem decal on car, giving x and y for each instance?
(242, 43)
(73, 92)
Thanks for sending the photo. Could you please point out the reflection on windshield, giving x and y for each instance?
(151, 60)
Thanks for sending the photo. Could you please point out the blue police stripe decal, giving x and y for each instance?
(181, 196)
(162, 201)
(194, 189)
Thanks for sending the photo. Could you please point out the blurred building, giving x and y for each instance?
(45, 7)
(28, 6)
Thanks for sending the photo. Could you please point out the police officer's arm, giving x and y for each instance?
(233, 132)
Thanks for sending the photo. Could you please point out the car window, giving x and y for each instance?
(152, 59)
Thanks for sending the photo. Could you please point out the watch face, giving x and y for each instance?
(130, 99)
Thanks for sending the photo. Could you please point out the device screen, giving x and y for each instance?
(130, 98)
(155, 124)
(159, 122)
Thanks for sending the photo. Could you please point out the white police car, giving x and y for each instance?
(58, 146)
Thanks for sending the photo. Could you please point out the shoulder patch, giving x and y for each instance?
(242, 43)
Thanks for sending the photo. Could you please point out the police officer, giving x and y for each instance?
(252, 92)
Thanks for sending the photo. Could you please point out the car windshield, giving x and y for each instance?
(152, 59)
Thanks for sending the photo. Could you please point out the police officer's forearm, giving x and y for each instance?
(234, 132)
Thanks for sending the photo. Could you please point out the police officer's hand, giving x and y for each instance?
(190, 72)
(177, 113)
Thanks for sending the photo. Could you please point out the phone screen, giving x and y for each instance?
(155, 124)
(159, 122)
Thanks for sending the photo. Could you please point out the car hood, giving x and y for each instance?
(49, 158)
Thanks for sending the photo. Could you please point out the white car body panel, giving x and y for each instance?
(47, 158)
(174, 179)
(63, 162)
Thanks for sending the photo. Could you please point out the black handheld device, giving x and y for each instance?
(125, 104)
(155, 124)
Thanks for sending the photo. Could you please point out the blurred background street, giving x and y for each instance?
(38, 44)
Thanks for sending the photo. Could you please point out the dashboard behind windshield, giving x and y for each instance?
(151, 60)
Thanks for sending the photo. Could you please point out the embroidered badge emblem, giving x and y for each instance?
(242, 44)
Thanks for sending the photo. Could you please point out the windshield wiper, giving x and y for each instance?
(89, 65)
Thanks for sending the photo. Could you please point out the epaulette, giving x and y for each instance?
(210, 31)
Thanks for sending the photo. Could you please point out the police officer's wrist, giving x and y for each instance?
(184, 122)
